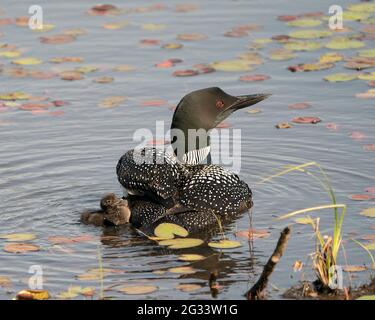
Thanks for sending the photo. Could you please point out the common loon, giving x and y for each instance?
(176, 182)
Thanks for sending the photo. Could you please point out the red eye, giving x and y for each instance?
(219, 104)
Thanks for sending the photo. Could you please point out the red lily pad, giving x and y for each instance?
(370, 190)
(5, 21)
(154, 103)
(102, 10)
(185, 73)
(58, 103)
(203, 68)
(168, 63)
(34, 106)
(150, 42)
(356, 135)
(254, 77)
(22, 21)
(371, 83)
(369, 147)
(194, 36)
(281, 38)
(57, 39)
(312, 120)
(299, 106)
(71, 75)
(361, 197)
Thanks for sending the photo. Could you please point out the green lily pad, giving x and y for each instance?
(340, 77)
(344, 43)
(362, 7)
(169, 230)
(181, 243)
(355, 15)
(305, 23)
(303, 45)
(310, 34)
(369, 76)
(368, 53)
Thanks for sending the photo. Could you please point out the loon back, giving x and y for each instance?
(196, 114)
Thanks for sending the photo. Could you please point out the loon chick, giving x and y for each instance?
(156, 173)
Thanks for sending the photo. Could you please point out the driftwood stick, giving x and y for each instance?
(257, 291)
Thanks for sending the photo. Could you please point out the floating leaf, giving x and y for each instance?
(370, 94)
(344, 43)
(369, 212)
(368, 297)
(103, 10)
(20, 247)
(310, 34)
(225, 244)
(188, 287)
(124, 68)
(5, 282)
(283, 125)
(231, 65)
(115, 25)
(112, 102)
(369, 147)
(354, 268)
(253, 233)
(169, 230)
(18, 236)
(134, 290)
(367, 76)
(282, 54)
(355, 15)
(96, 274)
(311, 67)
(306, 120)
(103, 80)
(194, 36)
(74, 291)
(371, 83)
(370, 190)
(369, 53)
(172, 46)
(185, 73)
(299, 106)
(331, 57)
(32, 295)
(67, 240)
(254, 77)
(75, 32)
(153, 26)
(86, 69)
(10, 54)
(70, 75)
(362, 7)
(184, 270)
(369, 237)
(27, 61)
(17, 95)
(361, 197)
(45, 28)
(302, 45)
(66, 59)
(304, 23)
(57, 39)
(340, 77)
(332, 126)
(181, 243)
(191, 257)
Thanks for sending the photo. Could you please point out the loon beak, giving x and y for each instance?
(247, 100)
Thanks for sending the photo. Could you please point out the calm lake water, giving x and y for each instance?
(53, 166)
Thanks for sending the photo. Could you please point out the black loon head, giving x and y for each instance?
(202, 110)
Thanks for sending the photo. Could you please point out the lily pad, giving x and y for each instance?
(355, 15)
(27, 61)
(253, 233)
(10, 54)
(299, 106)
(71, 75)
(303, 45)
(254, 77)
(281, 54)
(181, 243)
(369, 212)
(135, 290)
(153, 26)
(310, 34)
(304, 220)
(368, 53)
(169, 230)
(231, 65)
(331, 57)
(57, 39)
(20, 247)
(306, 120)
(32, 295)
(283, 125)
(307, 23)
(188, 287)
(184, 270)
(344, 43)
(340, 77)
(172, 46)
(362, 7)
(370, 94)
(112, 102)
(225, 244)
(18, 236)
(191, 257)
(195, 36)
(369, 76)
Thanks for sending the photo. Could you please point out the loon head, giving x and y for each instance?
(197, 113)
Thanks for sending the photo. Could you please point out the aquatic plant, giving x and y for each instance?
(326, 247)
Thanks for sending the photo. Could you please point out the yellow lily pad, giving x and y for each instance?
(86, 69)
(262, 40)
(362, 7)
(310, 34)
(355, 15)
(340, 77)
(32, 295)
(225, 244)
(191, 257)
(303, 45)
(305, 23)
(17, 95)
(27, 61)
(184, 270)
(111, 102)
(331, 57)
(232, 65)
(169, 230)
(368, 53)
(181, 243)
(370, 76)
(138, 289)
(124, 68)
(45, 28)
(18, 236)
(153, 26)
(10, 54)
(369, 212)
(344, 43)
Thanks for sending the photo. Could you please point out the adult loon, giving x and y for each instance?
(177, 180)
